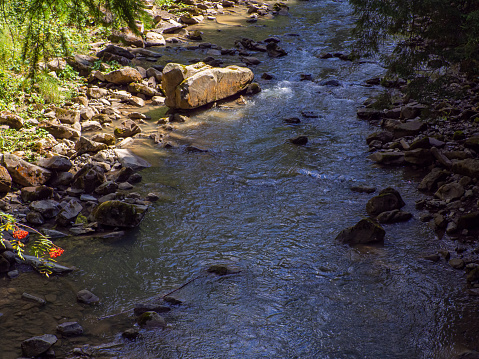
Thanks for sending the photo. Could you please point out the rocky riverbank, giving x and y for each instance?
(439, 142)
(90, 175)
(84, 182)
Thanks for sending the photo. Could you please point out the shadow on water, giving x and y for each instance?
(256, 201)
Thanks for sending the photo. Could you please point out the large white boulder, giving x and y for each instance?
(188, 87)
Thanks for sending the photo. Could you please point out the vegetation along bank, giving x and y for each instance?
(72, 95)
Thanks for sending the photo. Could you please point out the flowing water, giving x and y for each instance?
(257, 202)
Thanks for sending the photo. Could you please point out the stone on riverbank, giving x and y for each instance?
(129, 159)
(388, 158)
(394, 216)
(5, 180)
(38, 345)
(119, 214)
(468, 167)
(188, 87)
(123, 76)
(61, 131)
(88, 178)
(24, 173)
(365, 231)
(11, 120)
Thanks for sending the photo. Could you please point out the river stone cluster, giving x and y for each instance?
(383, 208)
(439, 141)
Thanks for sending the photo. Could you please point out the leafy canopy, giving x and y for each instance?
(428, 37)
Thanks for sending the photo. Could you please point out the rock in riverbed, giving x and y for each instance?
(38, 345)
(188, 87)
(365, 231)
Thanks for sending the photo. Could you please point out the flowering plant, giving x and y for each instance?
(41, 247)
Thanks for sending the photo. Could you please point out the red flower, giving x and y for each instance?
(56, 252)
(19, 233)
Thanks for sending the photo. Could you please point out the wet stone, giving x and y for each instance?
(87, 297)
(457, 263)
(143, 308)
(388, 199)
(394, 216)
(363, 189)
(38, 345)
(131, 333)
(299, 140)
(365, 231)
(433, 257)
(33, 298)
(151, 320)
(69, 329)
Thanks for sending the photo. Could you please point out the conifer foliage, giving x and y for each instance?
(427, 36)
(41, 27)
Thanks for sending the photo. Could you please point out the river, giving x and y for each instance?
(257, 202)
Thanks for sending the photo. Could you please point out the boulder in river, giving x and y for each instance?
(119, 214)
(365, 231)
(388, 199)
(188, 87)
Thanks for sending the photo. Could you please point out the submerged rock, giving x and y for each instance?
(299, 140)
(40, 264)
(365, 231)
(143, 308)
(87, 297)
(151, 320)
(69, 329)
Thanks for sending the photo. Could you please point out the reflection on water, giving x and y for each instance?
(257, 202)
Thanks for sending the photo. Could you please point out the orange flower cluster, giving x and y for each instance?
(19, 233)
(56, 252)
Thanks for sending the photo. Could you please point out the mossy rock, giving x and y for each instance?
(458, 135)
(119, 214)
(472, 143)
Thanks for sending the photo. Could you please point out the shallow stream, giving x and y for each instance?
(257, 202)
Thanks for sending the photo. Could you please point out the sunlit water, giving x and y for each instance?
(257, 202)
